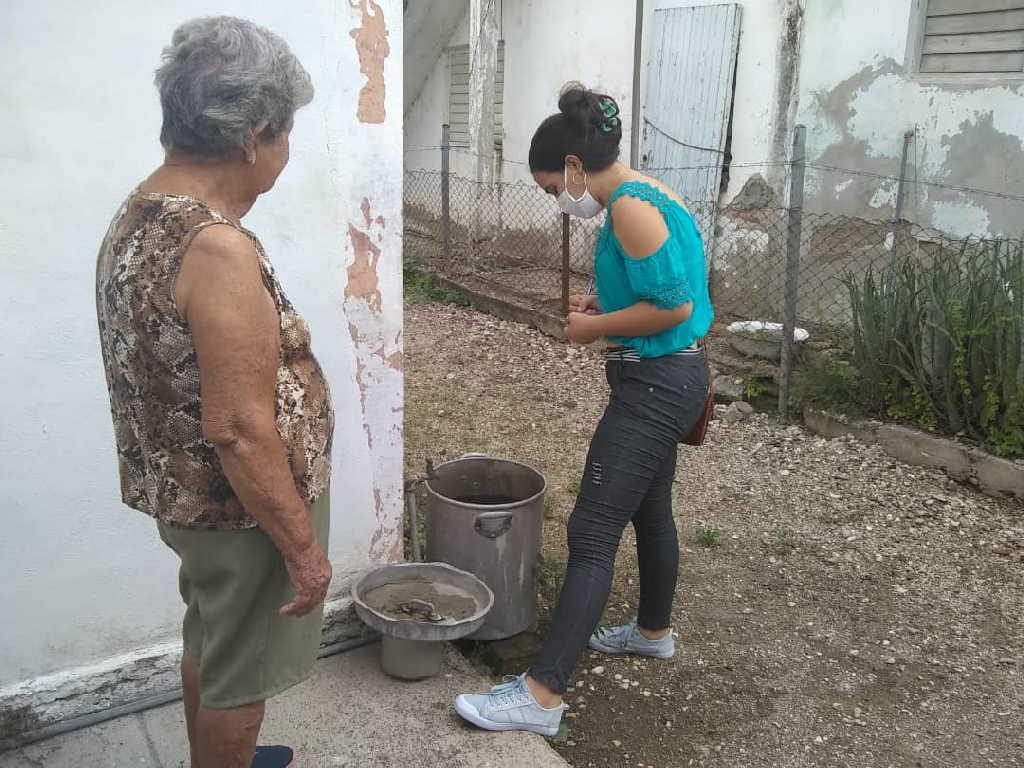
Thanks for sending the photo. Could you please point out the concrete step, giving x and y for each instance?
(348, 715)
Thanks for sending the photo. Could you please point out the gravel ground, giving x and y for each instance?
(834, 608)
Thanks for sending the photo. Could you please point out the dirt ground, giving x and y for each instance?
(834, 607)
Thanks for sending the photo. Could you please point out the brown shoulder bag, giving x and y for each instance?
(700, 428)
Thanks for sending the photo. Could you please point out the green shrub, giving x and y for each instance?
(425, 287)
(939, 341)
(831, 382)
(709, 537)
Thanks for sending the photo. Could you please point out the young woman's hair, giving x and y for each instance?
(587, 125)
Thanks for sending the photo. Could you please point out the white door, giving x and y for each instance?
(691, 63)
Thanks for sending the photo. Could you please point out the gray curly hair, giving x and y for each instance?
(221, 76)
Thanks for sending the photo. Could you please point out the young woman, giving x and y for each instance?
(652, 304)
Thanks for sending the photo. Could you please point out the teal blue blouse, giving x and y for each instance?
(667, 278)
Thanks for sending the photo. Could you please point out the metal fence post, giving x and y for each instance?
(897, 222)
(793, 238)
(446, 222)
(565, 264)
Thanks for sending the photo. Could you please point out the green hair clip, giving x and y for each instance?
(610, 110)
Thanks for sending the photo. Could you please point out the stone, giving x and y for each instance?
(755, 195)
(993, 475)
(728, 388)
(996, 475)
(914, 447)
(737, 412)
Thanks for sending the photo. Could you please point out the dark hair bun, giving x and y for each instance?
(589, 112)
(587, 125)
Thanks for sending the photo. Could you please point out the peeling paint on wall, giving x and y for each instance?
(363, 281)
(858, 100)
(964, 138)
(372, 47)
(361, 384)
(378, 353)
(981, 150)
(392, 360)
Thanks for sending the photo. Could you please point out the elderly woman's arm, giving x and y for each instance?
(236, 332)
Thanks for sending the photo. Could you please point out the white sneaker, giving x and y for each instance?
(509, 707)
(626, 638)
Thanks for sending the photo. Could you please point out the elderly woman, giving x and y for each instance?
(222, 416)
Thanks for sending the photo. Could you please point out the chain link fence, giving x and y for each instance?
(503, 239)
(933, 324)
(507, 240)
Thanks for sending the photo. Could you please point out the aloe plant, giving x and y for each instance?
(940, 341)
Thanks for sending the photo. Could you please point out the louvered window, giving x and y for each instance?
(972, 37)
(458, 96)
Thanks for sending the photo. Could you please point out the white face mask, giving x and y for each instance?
(584, 206)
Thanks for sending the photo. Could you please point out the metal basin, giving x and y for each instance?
(756, 338)
(417, 606)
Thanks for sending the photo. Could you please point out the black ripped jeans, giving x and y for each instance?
(628, 478)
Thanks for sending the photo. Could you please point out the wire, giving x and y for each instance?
(779, 163)
(938, 184)
(717, 166)
(682, 143)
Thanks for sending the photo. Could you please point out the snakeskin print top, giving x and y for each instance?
(168, 470)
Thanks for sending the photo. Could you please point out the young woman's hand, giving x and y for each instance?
(584, 302)
(582, 328)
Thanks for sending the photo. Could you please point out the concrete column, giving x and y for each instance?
(483, 64)
(787, 92)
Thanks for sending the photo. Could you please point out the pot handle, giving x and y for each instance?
(493, 524)
(474, 455)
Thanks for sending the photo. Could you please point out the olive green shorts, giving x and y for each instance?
(233, 584)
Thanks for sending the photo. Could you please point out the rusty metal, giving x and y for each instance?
(565, 264)
(446, 206)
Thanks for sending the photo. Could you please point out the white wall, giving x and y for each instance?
(84, 577)
(429, 110)
(857, 101)
(548, 43)
(432, 25)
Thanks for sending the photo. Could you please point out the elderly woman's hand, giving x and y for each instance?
(310, 572)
